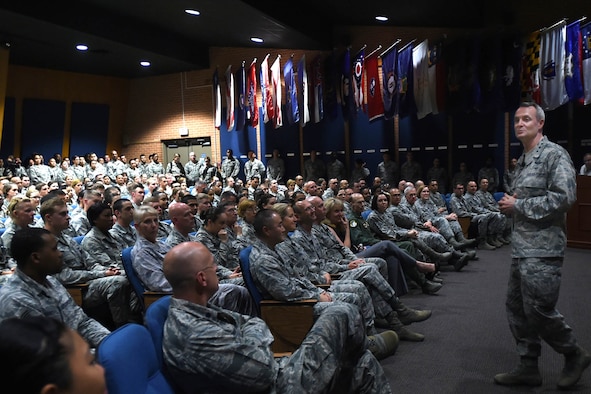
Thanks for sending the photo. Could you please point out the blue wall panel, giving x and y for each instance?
(89, 129)
(43, 127)
(8, 128)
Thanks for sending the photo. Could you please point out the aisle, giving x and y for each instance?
(468, 339)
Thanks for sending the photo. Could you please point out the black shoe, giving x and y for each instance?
(408, 316)
(520, 376)
(574, 366)
(431, 287)
(461, 262)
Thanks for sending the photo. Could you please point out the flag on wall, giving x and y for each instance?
(266, 92)
(217, 97)
(252, 109)
(422, 88)
(552, 58)
(241, 95)
(586, 64)
(229, 98)
(390, 83)
(530, 78)
(375, 105)
(317, 86)
(277, 94)
(489, 75)
(346, 94)
(358, 78)
(404, 68)
(291, 95)
(303, 91)
(437, 76)
(572, 65)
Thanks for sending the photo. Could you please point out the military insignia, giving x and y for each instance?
(353, 223)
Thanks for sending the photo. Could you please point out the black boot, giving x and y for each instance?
(459, 260)
(418, 277)
(432, 254)
(525, 374)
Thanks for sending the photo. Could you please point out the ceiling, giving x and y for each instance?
(121, 33)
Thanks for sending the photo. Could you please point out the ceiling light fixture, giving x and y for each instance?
(382, 18)
(193, 12)
(82, 47)
(145, 63)
(256, 39)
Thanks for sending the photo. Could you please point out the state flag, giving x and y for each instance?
(552, 56)
(530, 77)
(375, 105)
(277, 93)
(332, 85)
(303, 99)
(511, 87)
(586, 63)
(266, 91)
(230, 99)
(318, 89)
(252, 109)
(346, 93)
(390, 83)
(422, 88)
(573, 79)
(437, 75)
(241, 96)
(405, 78)
(358, 79)
(490, 75)
(217, 98)
(291, 95)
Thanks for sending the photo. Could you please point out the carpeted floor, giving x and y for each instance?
(468, 339)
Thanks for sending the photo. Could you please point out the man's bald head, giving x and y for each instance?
(181, 267)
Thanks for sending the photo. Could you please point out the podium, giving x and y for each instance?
(578, 219)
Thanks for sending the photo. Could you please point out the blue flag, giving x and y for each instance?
(390, 83)
(511, 82)
(572, 71)
(405, 88)
(333, 78)
(241, 96)
(293, 113)
(346, 87)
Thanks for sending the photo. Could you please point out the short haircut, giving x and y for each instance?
(245, 205)
(118, 205)
(49, 206)
(15, 202)
(212, 214)
(262, 219)
(95, 211)
(52, 194)
(188, 197)
(25, 242)
(540, 114)
(140, 213)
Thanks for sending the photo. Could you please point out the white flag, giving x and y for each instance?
(276, 81)
(421, 85)
(552, 56)
(229, 98)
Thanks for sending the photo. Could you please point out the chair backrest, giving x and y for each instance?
(154, 319)
(130, 362)
(244, 258)
(135, 281)
(365, 214)
(79, 239)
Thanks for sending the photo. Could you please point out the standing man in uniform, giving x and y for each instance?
(545, 188)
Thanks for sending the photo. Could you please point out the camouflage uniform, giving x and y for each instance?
(497, 221)
(146, 259)
(545, 186)
(277, 280)
(438, 199)
(488, 223)
(382, 295)
(101, 250)
(80, 223)
(114, 290)
(231, 352)
(248, 236)
(427, 211)
(163, 230)
(22, 296)
(220, 253)
(175, 238)
(125, 236)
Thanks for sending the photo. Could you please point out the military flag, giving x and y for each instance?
(217, 98)
(230, 99)
(241, 95)
(266, 91)
(390, 83)
(375, 105)
(252, 109)
(552, 57)
(358, 78)
(303, 99)
(277, 93)
(530, 77)
(405, 88)
(291, 95)
(420, 72)
(318, 89)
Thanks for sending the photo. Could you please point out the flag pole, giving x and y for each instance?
(362, 48)
(390, 47)
(375, 50)
(404, 47)
(554, 25)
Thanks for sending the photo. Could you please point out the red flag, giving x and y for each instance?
(375, 105)
(266, 91)
(252, 110)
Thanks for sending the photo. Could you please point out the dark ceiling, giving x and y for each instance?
(121, 33)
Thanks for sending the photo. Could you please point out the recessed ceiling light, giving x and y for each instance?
(145, 63)
(193, 12)
(256, 39)
(382, 18)
(82, 47)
